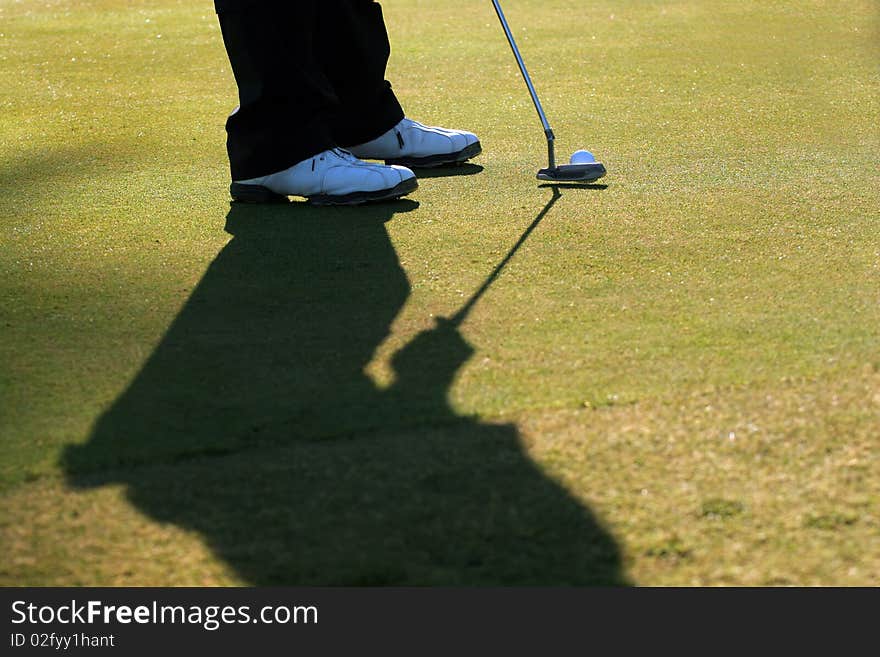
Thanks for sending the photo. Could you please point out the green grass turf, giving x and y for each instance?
(676, 380)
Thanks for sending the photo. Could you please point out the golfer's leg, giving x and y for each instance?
(284, 98)
(353, 49)
(280, 140)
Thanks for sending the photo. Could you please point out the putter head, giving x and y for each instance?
(585, 173)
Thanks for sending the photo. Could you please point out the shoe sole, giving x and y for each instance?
(259, 194)
(442, 160)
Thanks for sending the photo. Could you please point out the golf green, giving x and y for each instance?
(674, 380)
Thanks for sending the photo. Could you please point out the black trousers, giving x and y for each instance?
(310, 76)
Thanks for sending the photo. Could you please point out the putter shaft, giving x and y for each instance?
(548, 131)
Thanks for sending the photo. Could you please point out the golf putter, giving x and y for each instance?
(584, 173)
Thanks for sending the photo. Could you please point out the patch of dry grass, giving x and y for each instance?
(749, 486)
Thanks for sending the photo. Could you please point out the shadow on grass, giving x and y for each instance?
(42, 174)
(558, 186)
(254, 424)
(466, 169)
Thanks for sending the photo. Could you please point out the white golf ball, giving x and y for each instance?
(582, 157)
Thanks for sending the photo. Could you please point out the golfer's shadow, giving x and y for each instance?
(254, 424)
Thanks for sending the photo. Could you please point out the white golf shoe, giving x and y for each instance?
(334, 177)
(412, 144)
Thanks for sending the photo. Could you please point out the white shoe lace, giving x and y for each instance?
(345, 155)
(341, 153)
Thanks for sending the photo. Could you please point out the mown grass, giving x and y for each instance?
(675, 381)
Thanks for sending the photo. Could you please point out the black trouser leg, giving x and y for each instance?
(353, 48)
(284, 97)
(310, 76)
